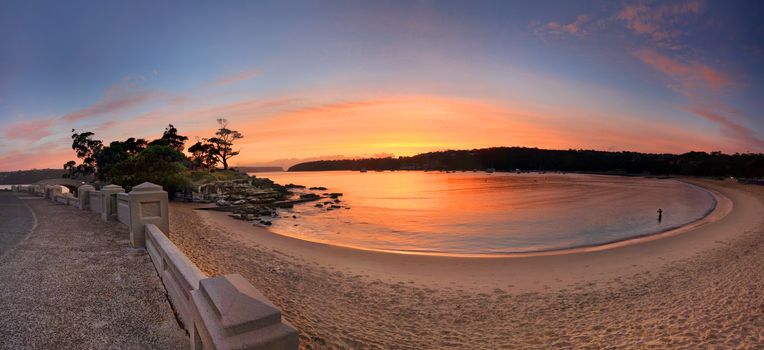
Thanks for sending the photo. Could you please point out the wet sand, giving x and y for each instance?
(694, 289)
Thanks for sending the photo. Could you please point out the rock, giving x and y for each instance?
(328, 202)
(223, 203)
(319, 205)
(266, 223)
(309, 196)
(336, 207)
(335, 195)
(239, 202)
(294, 216)
(319, 188)
(337, 201)
(293, 186)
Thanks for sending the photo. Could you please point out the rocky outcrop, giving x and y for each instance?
(257, 199)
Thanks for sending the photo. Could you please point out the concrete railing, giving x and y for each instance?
(123, 208)
(179, 275)
(95, 201)
(222, 312)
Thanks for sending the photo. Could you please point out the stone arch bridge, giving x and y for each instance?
(70, 184)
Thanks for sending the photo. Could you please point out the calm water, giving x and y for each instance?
(479, 213)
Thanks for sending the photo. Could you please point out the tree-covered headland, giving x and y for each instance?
(162, 161)
(748, 165)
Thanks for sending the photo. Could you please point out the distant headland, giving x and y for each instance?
(536, 159)
(29, 176)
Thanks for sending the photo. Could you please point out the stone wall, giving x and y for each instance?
(220, 312)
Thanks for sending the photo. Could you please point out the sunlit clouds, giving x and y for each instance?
(331, 81)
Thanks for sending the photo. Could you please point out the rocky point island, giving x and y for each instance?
(257, 199)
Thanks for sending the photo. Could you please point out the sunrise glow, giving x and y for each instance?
(395, 79)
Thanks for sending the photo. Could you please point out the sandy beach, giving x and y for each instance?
(697, 288)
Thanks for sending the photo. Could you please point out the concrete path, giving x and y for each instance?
(74, 283)
(16, 220)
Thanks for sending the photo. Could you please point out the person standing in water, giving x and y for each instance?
(660, 214)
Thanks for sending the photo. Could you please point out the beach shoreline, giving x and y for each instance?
(290, 270)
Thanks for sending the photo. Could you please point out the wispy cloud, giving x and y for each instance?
(659, 20)
(236, 77)
(744, 136)
(117, 99)
(29, 129)
(577, 27)
(684, 75)
(703, 85)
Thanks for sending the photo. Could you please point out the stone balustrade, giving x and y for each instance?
(83, 193)
(221, 312)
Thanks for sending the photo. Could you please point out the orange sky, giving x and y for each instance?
(401, 78)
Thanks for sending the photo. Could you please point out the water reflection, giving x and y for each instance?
(479, 213)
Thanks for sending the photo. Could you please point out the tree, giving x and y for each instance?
(202, 155)
(115, 153)
(159, 164)
(222, 144)
(86, 149)
(171, 138)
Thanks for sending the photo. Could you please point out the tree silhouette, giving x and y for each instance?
(202, 155)
(86, 149)
(171, 138)
(222, 144)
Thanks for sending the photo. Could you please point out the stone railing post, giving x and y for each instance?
(83, 194)
(148, 205)
(56, 191)
(109, 202)
(235, 315)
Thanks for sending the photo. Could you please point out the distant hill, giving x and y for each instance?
(259, 169)
(24, 177)
(535, 159)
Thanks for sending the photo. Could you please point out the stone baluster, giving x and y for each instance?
(83, 194)
(109, 202)
(148, 204)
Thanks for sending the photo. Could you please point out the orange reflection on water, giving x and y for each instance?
(480, 213)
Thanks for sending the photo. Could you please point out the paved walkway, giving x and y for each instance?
(74, 284)
(16, 220)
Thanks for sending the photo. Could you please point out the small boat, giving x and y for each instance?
(363, 170)
(490, 170)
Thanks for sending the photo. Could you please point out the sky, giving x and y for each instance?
(340, 79)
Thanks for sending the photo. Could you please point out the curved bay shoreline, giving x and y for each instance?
(692, 289)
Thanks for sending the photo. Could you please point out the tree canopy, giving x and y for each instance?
(222, 143)
(161, 161)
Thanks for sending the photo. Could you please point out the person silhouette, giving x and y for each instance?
(660, 214)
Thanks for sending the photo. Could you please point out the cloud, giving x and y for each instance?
(702, 85)
(659, 21)
(29, 160)
(688, 75)
(118, 98)
(742, 135)
(235, 78)
(29, 130)
(575, 28)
